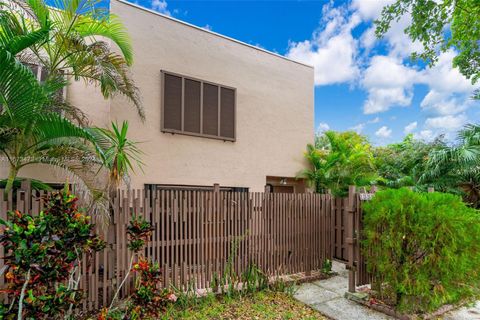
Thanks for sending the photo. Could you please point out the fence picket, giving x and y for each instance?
(197, 231)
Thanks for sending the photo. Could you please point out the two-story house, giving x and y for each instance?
(217, 110)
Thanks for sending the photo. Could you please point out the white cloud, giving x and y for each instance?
(332, 49)
(208, 27)
(449, 123)
(410, 127)
(375, 120)
(160, 6)
(426, 135)
(383, 132)
(398, 43)
(341, 56)
(322, 127)
(368, 38)
(444, 103)
(370, 9)
(358, 128)
(443, 77)
(388, 83)
(450, 91)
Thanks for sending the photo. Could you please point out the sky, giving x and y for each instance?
(361, 83)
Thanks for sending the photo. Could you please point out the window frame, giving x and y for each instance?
(195, 134)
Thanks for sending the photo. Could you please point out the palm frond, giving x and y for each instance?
(97, 63)
(36, 184)
(13, 35)
(20, 92)
(110, 27)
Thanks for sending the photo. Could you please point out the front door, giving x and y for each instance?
(283, 189)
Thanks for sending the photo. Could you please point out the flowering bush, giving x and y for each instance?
(147, 301)
(42, 254)
(139, 231)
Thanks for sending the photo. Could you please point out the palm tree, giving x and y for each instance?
(456, 168)
(77, 45)
(119, 154)
(339, 160)
(402, 164)
(320, 166)
(29, 133)
(31, 129)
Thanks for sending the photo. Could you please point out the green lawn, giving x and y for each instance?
(261, 305)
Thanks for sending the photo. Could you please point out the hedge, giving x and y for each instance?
(423, 248)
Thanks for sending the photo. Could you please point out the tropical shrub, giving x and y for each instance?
(147, 301)
(402, 164)
(37, 125)
(338, 160)
(43, 256)
(455, 168)
(422, 248)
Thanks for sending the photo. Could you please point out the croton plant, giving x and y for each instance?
(42, 255)
(148, 299)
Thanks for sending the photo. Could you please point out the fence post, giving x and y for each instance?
(350, 238)
(26, 188)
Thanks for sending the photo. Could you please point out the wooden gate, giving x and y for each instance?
(355, 260)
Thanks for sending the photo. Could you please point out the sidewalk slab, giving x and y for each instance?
(327, 296)
(469, 312)
(344, 309)
(335, 284)
(310, 293)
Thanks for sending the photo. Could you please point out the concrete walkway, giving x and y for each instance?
(326, 296)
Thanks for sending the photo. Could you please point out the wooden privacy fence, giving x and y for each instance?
(196, 234)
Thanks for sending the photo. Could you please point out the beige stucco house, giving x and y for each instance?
(217, 110)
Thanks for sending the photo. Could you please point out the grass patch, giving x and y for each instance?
(259, 305)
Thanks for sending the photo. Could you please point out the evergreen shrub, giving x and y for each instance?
(423, 249)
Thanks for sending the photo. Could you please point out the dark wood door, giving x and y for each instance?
(283, 189)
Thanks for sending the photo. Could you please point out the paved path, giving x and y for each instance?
(326, 296)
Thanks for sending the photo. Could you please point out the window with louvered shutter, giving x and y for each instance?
(192, 106)
(210, 109)
(227, 113)
(172, 111)
(197, 107)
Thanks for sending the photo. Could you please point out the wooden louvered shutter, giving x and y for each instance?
(196, 107)
(210, 109)
(172, 108)
(227, 113)
(192, 106)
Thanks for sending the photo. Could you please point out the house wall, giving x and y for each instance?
(274, 106)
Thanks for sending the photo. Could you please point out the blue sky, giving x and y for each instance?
(362, 83)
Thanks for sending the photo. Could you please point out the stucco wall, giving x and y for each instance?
(274, 106)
